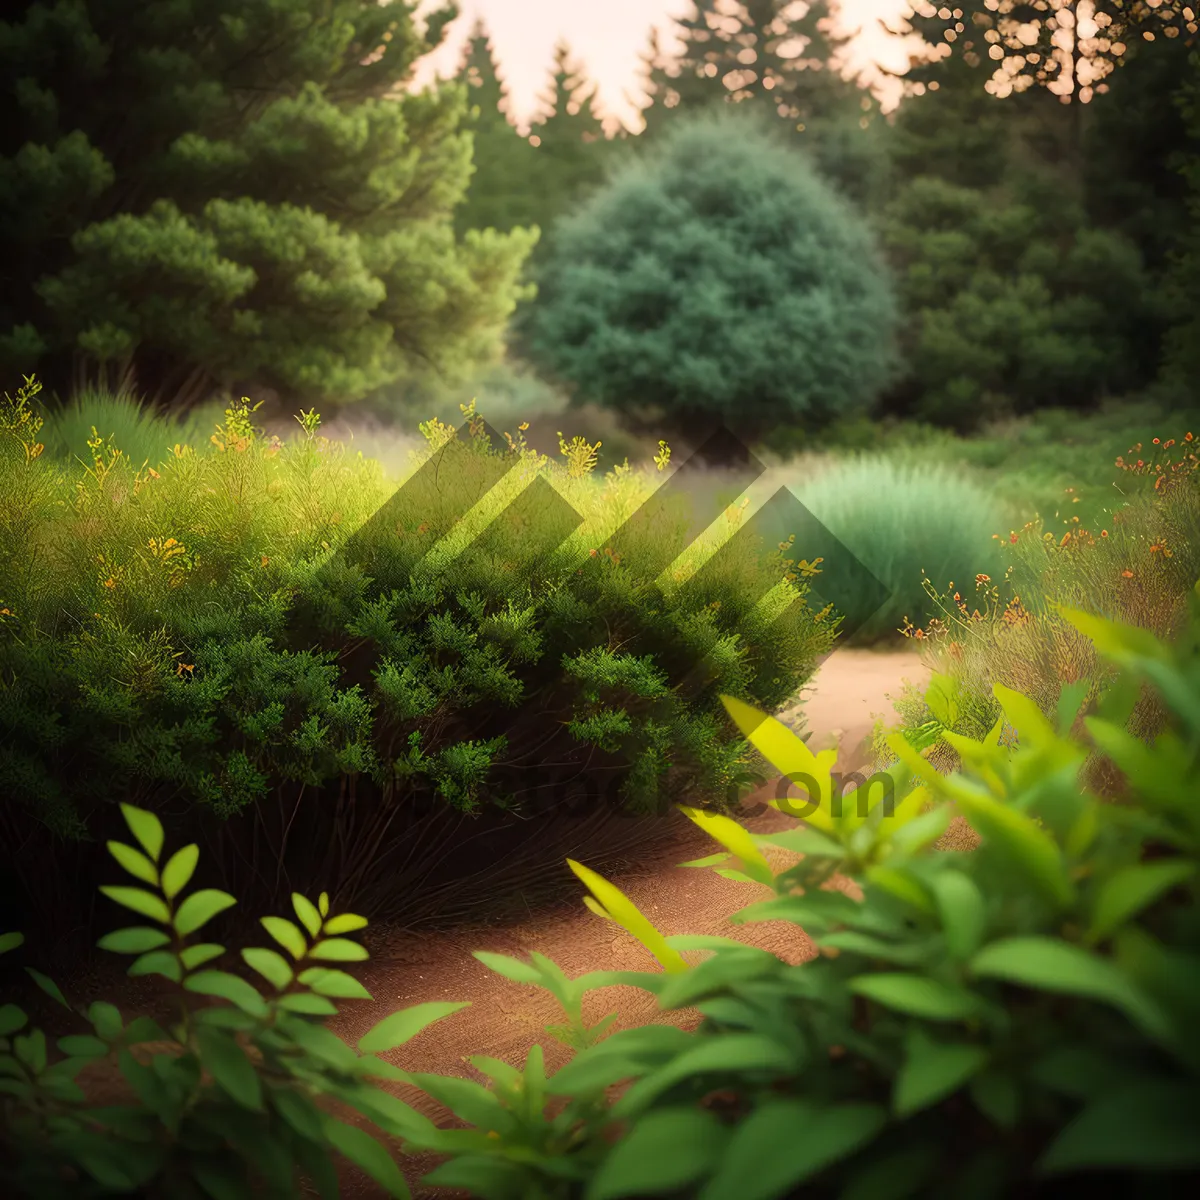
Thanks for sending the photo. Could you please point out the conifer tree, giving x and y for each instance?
(501, 192)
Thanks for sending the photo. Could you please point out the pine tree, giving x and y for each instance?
(501, 193)
(238, 194)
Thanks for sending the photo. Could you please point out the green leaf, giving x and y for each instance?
(785, 1142)
(400, 1027)
(230, 1067)
(179, 869)
(997, 1096)
(309, 1005)
(158, 962)
(135, 862)
(365, 1152)
(271, 965)
(30, 1049)
(10, 941)
(201, 952)
(664, 1152)
(344, 923)
(48, 986)
(917, 995)
(140, 901)
(932, 1071)
(200, 908)
(961, 908)
(323, 904)
(900, 1175)
(338, 950)
(287, 935)
(310, 918)
(82, 1045)
(1140, 1127)
(135, 939)
(327, 982)
(227, 987)
(1121, 643)
(1132, 889)
(146, 827)
(143, 1029)
(298, 1111)
(11, 1019)
(1050, 965)
(106, 1020)
(509, 968)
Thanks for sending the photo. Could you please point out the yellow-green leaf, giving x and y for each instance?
(307, 912)
(146, 827)
(287, 935)
(344, 923)
(1032, 726)
(135, 862)
(200, 908)
(270, 964)
(735, 839)
(1114, 640)
(619, 908)
(138, 900)
(903, 886)
(338, 950)
(179, 869)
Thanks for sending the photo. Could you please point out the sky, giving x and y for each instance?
(608, 36)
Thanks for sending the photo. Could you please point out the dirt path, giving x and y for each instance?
(505, 1019)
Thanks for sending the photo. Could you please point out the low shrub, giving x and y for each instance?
(906, 522)
(279, 643)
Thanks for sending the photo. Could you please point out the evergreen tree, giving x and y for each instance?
(501, 193)
(238, 193)
(1183, 341)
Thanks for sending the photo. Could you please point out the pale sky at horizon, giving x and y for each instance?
(608, 37)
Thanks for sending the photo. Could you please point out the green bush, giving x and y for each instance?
(906, 520)
(231, 1100)
(1014, 1020)
(719, 280)
(256, 621)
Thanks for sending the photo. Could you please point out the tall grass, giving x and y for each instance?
(143, 434)
(905, 521)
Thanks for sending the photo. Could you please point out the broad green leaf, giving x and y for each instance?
(11, 1019)
(921, 829)
(271, 965)
(735, 839)
(228, 987)
(709, 860)
(932, 1071)
(664, 1152)
(470, 1102)
(617, 907)
(298, 1110)
(903, 885)
(942, 699)
(307, 913)
(364, 1151)
(143, 1029)
(1120, 643)
(344, 923)
(1030, 846)
(179, 870)
(136, 939)
(998, 1097)
(1050, 965)
(201, 952)
(230, 1067)
(1139, 1127)
(1132, 889)
(791, 758)
(961, 908)
(199, 908)
(508, 967)
(146, 827)
(309, 1005)
(158, 962)
(287, 935)
(1070, 701)
(106, 1020)
(323, 904)
(785, 1142)
(10, 941)
(325, 981)
(338, 950)
(30, 1048)
(140, 901)
(900, 1175)
(399, 1027)
(82, 1045)
(135, 862)
(1033, 728)
(917, 995)
(808, 842)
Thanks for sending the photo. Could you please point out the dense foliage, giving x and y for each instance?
(719, 280)
(238, 193)
(253, 622)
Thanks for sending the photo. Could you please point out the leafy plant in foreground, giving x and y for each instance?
(232, 1099)
(1007, 1021)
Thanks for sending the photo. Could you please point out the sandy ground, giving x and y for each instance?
(505, 1019)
